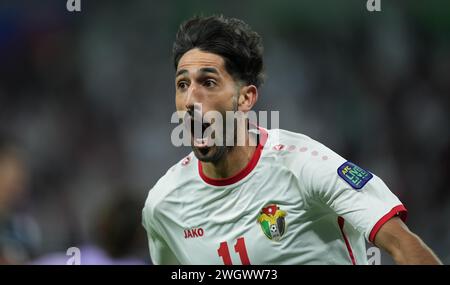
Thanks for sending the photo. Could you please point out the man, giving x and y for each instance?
(290, 201)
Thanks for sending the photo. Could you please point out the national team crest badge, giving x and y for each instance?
(272, 222)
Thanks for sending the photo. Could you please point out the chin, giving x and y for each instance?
(209, 154)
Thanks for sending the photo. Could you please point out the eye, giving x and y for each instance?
(182, 85)
(209, 83)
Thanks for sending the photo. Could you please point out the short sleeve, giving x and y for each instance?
(160, 252)
(355, 194)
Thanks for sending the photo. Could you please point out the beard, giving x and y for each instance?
(215, 153)
(211, 154)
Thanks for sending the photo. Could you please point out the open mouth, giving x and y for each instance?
(199, 137)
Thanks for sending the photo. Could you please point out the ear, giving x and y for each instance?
(247, 98)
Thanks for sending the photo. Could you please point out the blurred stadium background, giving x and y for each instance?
(86, 100)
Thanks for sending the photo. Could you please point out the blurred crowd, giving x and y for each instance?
(86, 100)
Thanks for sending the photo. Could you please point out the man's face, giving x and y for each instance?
(201, 78)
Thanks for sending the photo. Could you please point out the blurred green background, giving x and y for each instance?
(86, 99)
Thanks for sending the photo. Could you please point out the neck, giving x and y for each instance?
(235, 160)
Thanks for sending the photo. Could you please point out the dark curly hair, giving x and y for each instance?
(232, 39)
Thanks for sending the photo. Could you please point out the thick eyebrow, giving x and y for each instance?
(180, 72)
(209, 70)
(202, 70)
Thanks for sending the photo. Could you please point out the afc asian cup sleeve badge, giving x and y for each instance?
(354, 175)
(272, 222)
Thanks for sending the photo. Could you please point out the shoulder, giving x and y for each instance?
(298, 149)
(180, 174)
(306, 158)
(283, 141)
(314, 165)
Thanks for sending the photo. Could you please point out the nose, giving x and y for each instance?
(192, 98)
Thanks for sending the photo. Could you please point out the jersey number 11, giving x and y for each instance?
(239, 247)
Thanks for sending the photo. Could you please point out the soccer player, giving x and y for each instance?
(289, 201)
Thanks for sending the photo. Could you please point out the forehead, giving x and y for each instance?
(195, 59)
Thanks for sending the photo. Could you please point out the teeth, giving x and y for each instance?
(201, 142)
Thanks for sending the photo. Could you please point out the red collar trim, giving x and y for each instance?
(244, 172)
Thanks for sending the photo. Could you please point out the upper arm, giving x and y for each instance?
(353, 193)
(160, 252)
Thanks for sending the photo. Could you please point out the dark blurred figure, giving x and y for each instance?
(119, 232)
(19, 233)
(118, 237)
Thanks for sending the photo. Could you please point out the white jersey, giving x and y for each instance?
(296, 202)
